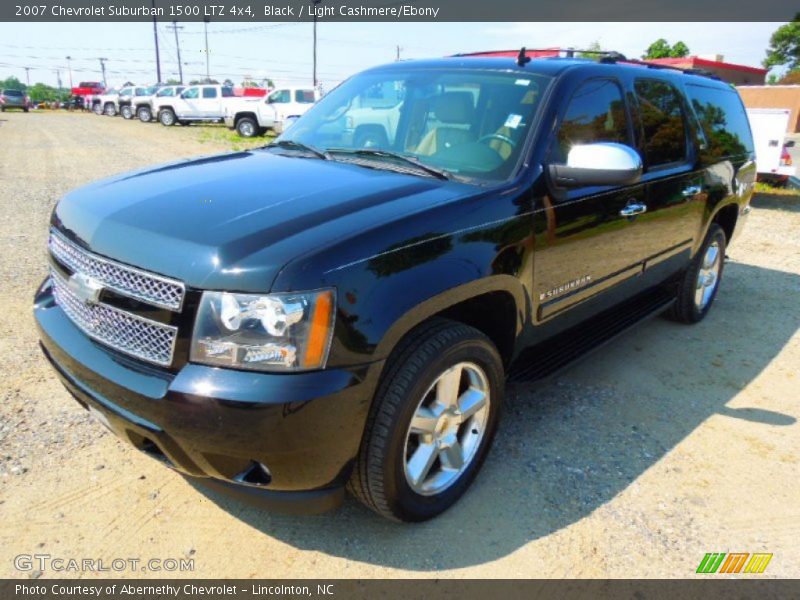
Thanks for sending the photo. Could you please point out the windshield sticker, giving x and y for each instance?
(523, 82)
(513, 121)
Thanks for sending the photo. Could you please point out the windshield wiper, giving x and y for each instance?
(411, 160)
(294, 145)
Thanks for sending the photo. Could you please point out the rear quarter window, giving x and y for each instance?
(722, 119)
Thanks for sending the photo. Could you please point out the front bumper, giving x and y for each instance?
(228, 119)
(286, 441)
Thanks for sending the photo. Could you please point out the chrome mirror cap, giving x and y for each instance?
(606, 156)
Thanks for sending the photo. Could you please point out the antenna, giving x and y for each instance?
(523, 60)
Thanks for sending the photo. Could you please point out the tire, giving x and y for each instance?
(383, 476)
(25, 109)
(145, 114)
(97, 109)
(696, 291)
(246, 127)
(166, 116)
(110, 110)
(126, 112)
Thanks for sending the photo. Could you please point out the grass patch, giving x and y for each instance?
(222, 136)
(765, 188)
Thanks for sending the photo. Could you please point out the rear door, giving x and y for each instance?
(209, 102)
(674, 192)
(586, 246)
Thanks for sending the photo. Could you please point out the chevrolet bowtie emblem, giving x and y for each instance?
(85, 287)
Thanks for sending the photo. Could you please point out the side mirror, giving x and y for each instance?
(602, 163)
(789, 144)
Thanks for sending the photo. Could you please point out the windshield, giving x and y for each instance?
(467, 123)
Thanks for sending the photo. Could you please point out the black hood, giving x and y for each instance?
(232, 221)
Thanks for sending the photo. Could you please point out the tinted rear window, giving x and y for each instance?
(12, 93)
(723, 120)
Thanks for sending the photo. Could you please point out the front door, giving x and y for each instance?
(590, 241)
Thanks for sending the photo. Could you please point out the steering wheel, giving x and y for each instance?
(497, 136)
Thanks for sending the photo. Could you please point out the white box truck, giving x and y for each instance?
(769, 131)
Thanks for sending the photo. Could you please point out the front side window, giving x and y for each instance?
(663, 122)
(469, 124)
(280, 97)
(209, 92)
(191, 93)
(125, 92)
(596, 113)
(166, 92)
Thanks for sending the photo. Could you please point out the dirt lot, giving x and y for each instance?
(672, 442)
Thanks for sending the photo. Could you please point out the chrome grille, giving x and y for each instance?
(128, 333)
(129, 281)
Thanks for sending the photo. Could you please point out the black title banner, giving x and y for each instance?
(400, 11)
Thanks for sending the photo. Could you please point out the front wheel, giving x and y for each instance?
(144, 114)
(126, 112)
(700, 283)
(110, 110)
(97, 109)
(431, 424)
(246, 127)
(166, 117)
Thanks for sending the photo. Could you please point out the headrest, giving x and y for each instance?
(454, 107)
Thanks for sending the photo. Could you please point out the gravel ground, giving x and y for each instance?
(671, 442)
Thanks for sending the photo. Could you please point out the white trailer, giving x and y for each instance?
(769, 130)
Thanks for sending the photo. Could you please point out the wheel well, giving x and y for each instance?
(494, 314)
(240, 116)
(726, 218)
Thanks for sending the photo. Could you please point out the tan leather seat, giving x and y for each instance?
(451, 108)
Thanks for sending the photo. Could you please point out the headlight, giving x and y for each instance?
(274, 332)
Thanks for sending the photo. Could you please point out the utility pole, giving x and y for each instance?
(28, 76)
(58, 78)
(175, 28)
(208, 68)
(155, 36)
(103, 69)
(69, 67)
(316, 3)
(397, 57)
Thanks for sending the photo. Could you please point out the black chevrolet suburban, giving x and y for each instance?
(342, 308)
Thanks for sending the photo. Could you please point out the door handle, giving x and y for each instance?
(633, 209)
(692, 190)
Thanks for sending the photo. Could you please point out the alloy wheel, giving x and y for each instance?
(708, 276)
(446, 429)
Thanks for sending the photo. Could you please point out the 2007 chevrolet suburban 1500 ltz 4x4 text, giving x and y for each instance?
(311, 316)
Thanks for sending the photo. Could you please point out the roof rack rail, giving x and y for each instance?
(603, 56)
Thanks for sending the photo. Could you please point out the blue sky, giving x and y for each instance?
(282, 51)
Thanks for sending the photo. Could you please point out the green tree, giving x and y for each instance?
(661, 48)
(679, 50)
(12, 83)
(40, 92)
(784, 46)
(593, 51)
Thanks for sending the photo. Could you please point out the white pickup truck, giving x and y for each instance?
(196, 103)
(254, 116)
